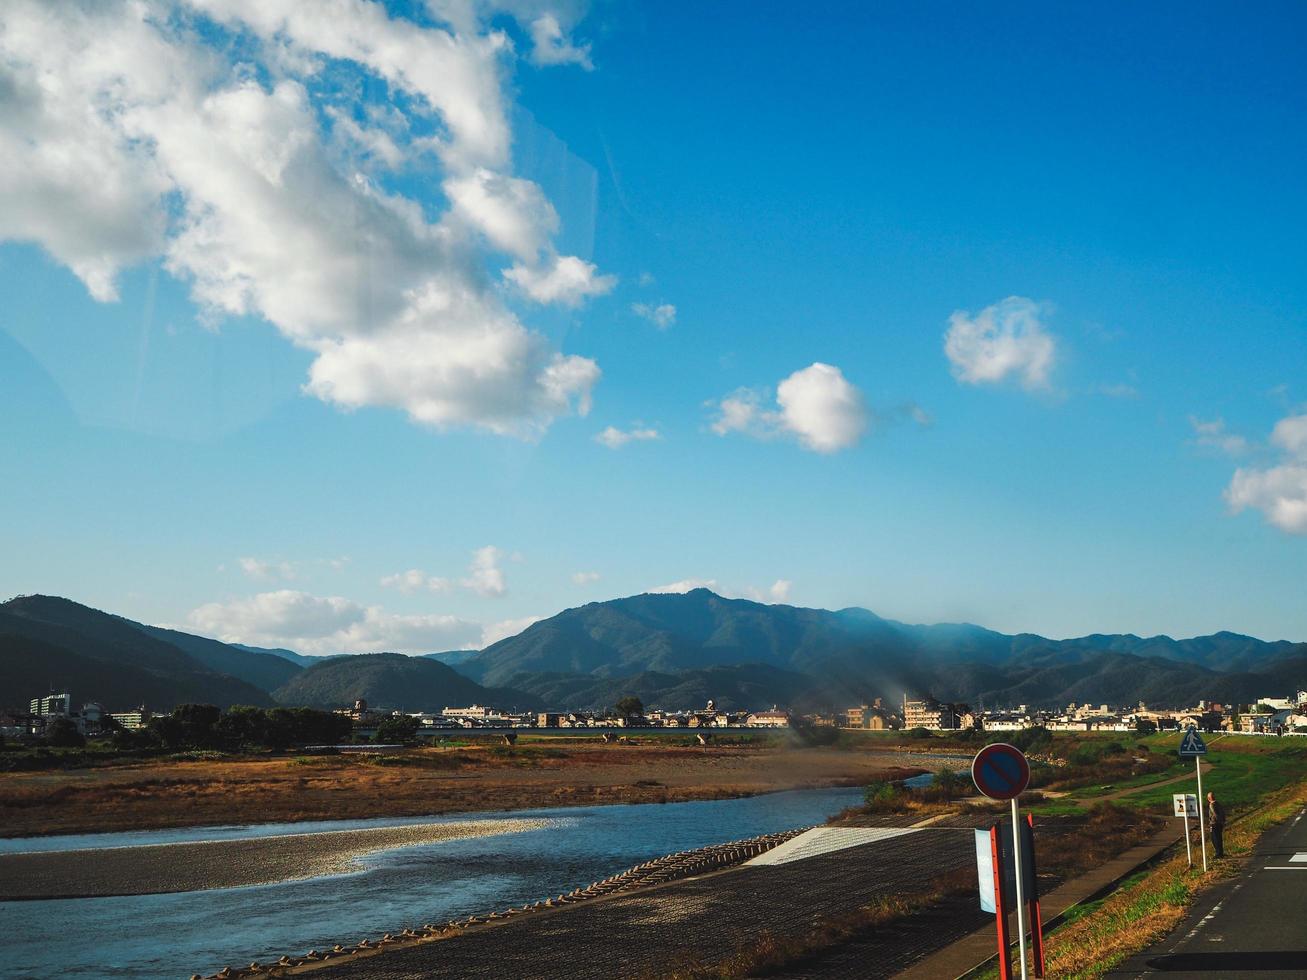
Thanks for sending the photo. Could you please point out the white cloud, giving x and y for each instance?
(585, 578)
(494, 632)
(685, 585)
(415, 580)
(551, 46)
(661, 316)
(1214, 435)
(615, 438)
(262, 571)
(780, 590)
(817, 405)
(126, 137)
(565, 280)
(322, 625)
(484, 576)
(1280, 491)
(1005, 340)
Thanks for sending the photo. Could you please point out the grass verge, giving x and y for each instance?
(1151, 904)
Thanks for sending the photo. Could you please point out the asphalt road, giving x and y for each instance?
(1253, 926)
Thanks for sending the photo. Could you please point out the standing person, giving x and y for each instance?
(1216, 822)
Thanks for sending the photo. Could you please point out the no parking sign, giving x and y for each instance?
(1000, 771)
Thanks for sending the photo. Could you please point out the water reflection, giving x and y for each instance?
(176, 935)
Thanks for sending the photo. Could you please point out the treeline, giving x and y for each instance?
(203, 726)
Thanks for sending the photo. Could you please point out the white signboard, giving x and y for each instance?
(1186, 804)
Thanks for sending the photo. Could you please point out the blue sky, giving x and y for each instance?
(312, 340)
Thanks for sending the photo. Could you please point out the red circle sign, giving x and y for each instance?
(1000, 771)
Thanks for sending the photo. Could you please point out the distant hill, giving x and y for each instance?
(669, 650)
(852, 655)
(100, 657)
(264, 670)
(452, 657)
(734, 688)
(296, 658)
(390, 681)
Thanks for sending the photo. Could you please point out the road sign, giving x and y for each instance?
(1186, 804)
(1000, 771)
(1192, 745)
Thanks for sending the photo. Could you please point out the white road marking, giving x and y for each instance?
(1299, 858)
(1285, 867)
(824, 840)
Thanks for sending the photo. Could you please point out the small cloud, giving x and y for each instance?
(565, 280)
(264, 571)
(780, 590)
(1119, 390)
(661, 316)
(646, 279)
(1214, 435)
(585, 578)
(685, 585)
(552, 46)
(615, 438)
(415, 580)
(1006, 340)
(817, 405)
(494, 632)
(1280, 491)
(484, 576)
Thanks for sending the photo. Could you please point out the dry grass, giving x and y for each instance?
(145, 794)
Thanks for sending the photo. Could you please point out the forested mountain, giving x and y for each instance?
(668, 649)
(392, 680)
(853, 654)
(56, 643)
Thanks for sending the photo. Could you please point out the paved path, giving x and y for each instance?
(1252, 926)
(699, 920)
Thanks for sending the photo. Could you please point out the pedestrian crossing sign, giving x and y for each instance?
(1192, 744)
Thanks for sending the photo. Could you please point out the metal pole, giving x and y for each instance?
(1016, 863)
(1202, 805)
(1188, 847)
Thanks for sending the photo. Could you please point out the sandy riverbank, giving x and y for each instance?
(154, 794)
(194, 865)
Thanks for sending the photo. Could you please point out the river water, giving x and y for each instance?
(202, 931)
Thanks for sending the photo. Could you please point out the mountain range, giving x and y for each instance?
(673, 650)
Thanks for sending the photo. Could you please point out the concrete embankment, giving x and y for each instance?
(194, 865)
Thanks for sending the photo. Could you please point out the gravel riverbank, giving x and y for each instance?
(195, 865)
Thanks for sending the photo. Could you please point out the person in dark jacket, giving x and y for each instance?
(1216, 821)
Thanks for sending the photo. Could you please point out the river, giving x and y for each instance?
(179, 934)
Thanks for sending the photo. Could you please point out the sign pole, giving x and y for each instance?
(1016, 859)
(1000, 906)
(1188, 847)
(1202, 839)
(1036, 918)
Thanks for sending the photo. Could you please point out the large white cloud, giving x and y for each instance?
(130, 131)
(1280, 491)
(1006, 340)
(322, 625)
(817, 405)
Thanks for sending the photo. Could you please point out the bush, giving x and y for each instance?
(61, 733)
(918, 733)
(884, 797)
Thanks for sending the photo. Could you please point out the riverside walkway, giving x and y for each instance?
(691, 922)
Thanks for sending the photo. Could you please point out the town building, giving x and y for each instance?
(52, 706)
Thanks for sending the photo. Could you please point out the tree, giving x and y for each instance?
(1145, 726)
(62, 733)
(397, 729)
(630, 707)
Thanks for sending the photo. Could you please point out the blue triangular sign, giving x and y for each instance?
(1192, 743)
